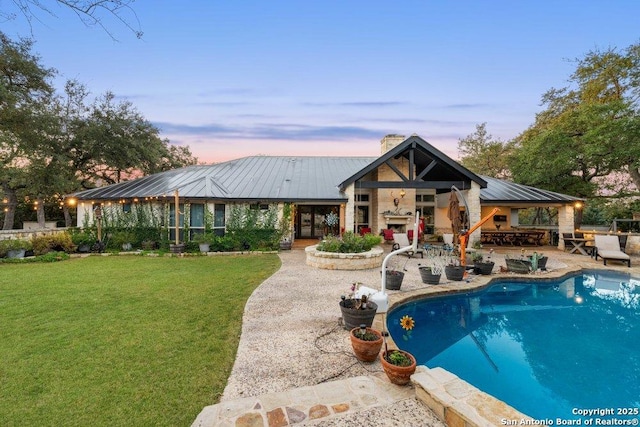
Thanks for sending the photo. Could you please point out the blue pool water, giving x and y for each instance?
(545, 347)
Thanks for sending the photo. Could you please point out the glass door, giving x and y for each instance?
(315, 222)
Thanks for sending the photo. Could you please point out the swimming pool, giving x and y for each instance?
(546, 348)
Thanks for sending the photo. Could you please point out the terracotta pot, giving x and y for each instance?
(353, 318)
(366, 351)
(399, 375)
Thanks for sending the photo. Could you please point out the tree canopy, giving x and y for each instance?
(481, 154)
(586, 142)
(52, 144)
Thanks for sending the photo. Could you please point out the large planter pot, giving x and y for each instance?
(84, 248)
(204, 247)
(454, 272)
(542, 262)
(366, 351)
(428, 277)
(399, 375)
(484, 268)
(394, 280)
(353, 317)
(16, 253)
(520, 266)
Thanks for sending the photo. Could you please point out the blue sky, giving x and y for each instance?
(238, 78)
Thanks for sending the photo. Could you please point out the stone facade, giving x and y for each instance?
(341, 261)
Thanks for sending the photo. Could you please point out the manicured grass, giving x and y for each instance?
(120, 340)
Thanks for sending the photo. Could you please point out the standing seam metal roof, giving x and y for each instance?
(248, 178)
(282, 178)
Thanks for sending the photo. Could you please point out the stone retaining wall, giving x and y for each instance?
(340, 261)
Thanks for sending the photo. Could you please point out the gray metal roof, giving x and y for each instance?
(259, 178)
(294, 179)
(506, 192)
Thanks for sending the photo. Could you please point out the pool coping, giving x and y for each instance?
(453, 400)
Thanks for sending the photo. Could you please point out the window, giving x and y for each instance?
(425, 204)
(196, 219)
(218, 219)
(172, 222)
(361, 214)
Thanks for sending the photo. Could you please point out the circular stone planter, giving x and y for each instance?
(344, 261)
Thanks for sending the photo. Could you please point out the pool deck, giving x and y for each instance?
(295, 365)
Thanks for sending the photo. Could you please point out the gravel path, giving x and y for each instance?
(292, 337)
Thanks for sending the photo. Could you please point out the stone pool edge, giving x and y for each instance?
(454, 401)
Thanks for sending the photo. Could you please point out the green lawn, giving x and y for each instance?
(120, 340)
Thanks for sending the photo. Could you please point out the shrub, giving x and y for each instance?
(60, 242)
(349, 243)
(81, 237)
(14, 245)
(222, 244)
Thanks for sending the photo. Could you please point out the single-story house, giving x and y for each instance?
(333, 194)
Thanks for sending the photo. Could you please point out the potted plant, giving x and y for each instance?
(454, 270)
(15, 248)
(394, 274)
(123, 239)
(366, 343)
(399, 365)
(204, 241)
(357, 311)
(84, 240)
(518, 265)
(538, 261)
(480, 265)
(428, 275)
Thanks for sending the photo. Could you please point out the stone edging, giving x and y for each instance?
(344, 261)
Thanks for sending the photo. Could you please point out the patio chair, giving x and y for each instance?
(387, 234)
(623, 242)
(608, 248)
(401, 240)
(365, 230)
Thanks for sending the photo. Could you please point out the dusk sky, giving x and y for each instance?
(238, 78)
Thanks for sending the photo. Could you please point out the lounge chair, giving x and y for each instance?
(401, 240)
(608, 248)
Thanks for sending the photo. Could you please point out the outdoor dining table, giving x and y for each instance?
(513, 237)
(579, 245)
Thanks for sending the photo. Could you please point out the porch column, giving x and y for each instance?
(348, 220)
(475, 211)
(565, 223)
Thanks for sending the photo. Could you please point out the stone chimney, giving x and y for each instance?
(390, 141)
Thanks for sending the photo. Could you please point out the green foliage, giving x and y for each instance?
(349, 243)
(7, 245)
(58, 242)
(81, 237)
(223, 244)
(254, 229)
(48, 257)
(143, 340)
(398, 358)
(585, 141)
(481, 154)
(366, 335)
